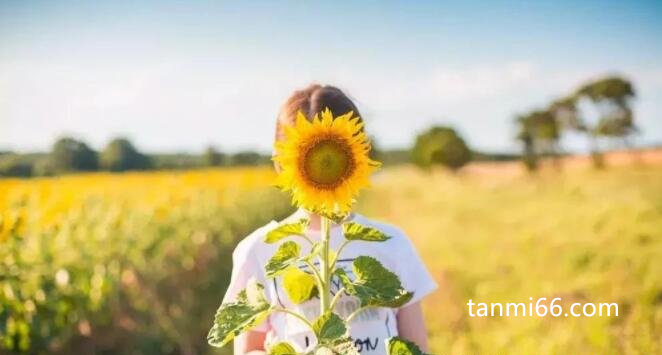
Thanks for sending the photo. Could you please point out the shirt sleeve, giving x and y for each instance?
(414, 275)
(244, 267)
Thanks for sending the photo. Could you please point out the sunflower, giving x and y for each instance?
(324, 162)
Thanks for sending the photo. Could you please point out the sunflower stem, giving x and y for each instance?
(356, 313)
(336, 298)
(296, 315)
(318, 276)
(325, 267)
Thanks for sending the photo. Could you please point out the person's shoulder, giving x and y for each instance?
(254, 241)
(253, 244)
(396, 233)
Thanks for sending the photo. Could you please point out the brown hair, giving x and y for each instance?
(311, 101)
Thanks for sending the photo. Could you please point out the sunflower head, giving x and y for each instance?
(324, 162)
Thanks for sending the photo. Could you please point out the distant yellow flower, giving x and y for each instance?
(324, 163)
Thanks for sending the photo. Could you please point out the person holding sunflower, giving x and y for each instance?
(321, 155)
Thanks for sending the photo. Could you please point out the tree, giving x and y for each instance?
(248, 158)
(43, 167)
(440, 146)
(121, 155)
(375, 150)
(213, 157)
(12, 165)
(566, 114)
(69, 154)
(539, 132)
(611, 96)
(526, 136)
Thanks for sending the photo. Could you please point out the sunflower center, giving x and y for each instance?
(327, 162)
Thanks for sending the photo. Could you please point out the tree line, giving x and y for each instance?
(599, 110)
(69, 155)
(440, 145)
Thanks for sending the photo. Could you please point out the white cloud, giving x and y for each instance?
(179, 105)
(471, 83)
(110, 96)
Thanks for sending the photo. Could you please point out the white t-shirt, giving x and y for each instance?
(370, 328)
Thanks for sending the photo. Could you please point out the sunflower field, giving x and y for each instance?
(137, 263)
(123, 264)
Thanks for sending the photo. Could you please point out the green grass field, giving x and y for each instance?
(584, 236)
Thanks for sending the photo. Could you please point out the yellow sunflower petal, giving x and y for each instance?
(327, 117)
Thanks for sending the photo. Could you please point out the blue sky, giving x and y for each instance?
(178, 76)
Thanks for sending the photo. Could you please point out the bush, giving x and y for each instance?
(440, 146)
(121, 155)
(69, 154)
(213, 157)
(249, 158)
(43, 167)
(13, 166)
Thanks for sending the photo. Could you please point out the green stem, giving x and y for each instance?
(296, 315)
(340, 250)
(325, 267)
(337, 297)
(356, 313)
(318, 276)
(307, 239)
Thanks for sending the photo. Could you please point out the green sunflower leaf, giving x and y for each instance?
(329, 328)
(400, 346)
(355, 231)
(247, 311)
(345, 346)
(341, 346)
(300, 286)
(337, 218)
(287, 230)
(374, 285)
(286, 256)
(282, 348)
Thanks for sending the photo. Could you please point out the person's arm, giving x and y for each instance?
(411, 325)
(250, 343)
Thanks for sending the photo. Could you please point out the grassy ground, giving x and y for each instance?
(582, 235)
